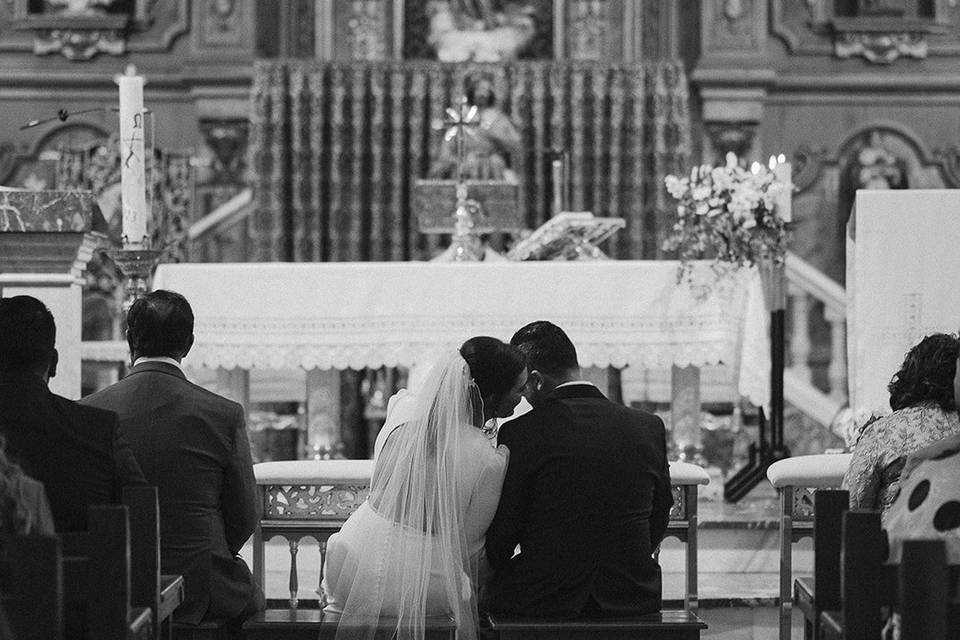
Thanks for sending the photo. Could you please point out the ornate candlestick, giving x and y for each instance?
(466, 243)
(136, 266)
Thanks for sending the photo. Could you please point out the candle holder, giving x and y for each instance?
(136, 265)
(466, 244)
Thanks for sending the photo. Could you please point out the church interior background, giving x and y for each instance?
(294, 131)
(297, 131)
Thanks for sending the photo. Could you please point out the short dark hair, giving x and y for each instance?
(159, 324)
(926, 374)
(28, 333)
(493, 364)
(547, 348)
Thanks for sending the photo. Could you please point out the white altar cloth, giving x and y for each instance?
(355, 315)
(900, 285)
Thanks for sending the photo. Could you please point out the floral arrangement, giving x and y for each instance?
(730, 213)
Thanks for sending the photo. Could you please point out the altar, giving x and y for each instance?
(328, 316)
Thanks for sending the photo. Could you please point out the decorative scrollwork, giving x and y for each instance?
(80, 44)
(312, 502)
(678, 510)
(806, 166)
(880, 48)
(802, 509)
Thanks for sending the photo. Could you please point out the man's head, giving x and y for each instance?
(160, 324)
(551, 358)
(27, 337)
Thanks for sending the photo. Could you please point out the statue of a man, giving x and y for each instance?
(489, 146)
(479, 30)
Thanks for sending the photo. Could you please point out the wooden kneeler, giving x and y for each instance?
(822, 591)
(670, 624)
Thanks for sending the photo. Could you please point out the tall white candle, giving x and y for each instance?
(783, 172)
(133, 183)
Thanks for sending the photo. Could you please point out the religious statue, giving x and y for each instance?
(489, 146)
(479, 30)
(878, 168)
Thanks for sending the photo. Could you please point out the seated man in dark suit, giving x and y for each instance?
(77, 452)
(586, 496)
(193, 445)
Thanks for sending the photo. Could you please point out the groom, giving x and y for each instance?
(586, 496)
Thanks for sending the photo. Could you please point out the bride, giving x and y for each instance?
(415, 547)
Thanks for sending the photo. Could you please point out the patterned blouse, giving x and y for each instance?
(873, 477)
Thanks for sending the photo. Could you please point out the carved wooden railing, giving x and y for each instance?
(806, 287)
(313, 498)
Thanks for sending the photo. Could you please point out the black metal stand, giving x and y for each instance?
(765, 452)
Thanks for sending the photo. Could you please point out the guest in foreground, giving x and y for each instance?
(192, 444)
(77, 452)
(922, 399)
(415, 547)
(587, 496)
(23, 502)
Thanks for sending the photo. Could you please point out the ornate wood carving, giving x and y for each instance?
(731, 136)
(312, 502)
(881, 42)
(878, 32)
(735, 26)
(228, 141)
(221, 22)
(108, 27)
(415, 24)
(366, 29)
(588, 29)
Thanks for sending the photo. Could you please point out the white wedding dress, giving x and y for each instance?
(415, 547)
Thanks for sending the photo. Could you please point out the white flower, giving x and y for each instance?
(701, 192)
(675, 186)
(702, 208)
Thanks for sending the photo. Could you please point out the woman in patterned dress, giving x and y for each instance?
(924, 412)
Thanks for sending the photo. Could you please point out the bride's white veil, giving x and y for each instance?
(416, 561)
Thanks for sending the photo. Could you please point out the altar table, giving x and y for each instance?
(355, 315)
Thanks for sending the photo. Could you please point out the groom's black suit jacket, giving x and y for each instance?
(587, 498)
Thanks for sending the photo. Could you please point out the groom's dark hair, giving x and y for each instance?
(547, 348)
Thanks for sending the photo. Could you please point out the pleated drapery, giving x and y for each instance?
(335, 149)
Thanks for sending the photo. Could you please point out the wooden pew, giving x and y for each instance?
(667, 625)
(918, 588)
(75, 583)
(96, 577)
(162, 594)
(822, 591)
(33, 597)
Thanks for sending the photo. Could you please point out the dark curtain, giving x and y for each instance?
(335, 148)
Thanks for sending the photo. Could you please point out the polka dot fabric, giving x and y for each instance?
(928, 504)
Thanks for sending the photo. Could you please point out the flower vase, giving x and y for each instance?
(774, 279)
(773, 276)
